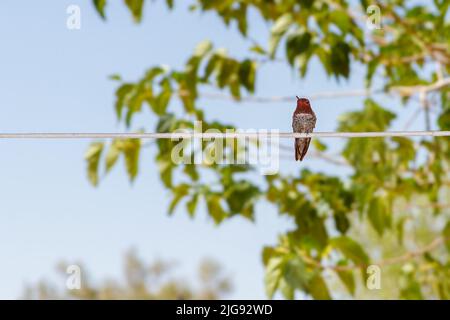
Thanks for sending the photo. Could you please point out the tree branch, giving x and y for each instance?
(407, 91)
(390, 261)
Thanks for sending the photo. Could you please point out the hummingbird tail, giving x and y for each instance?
(301, 147)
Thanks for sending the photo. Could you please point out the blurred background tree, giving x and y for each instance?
(141, 281)
(391, 210)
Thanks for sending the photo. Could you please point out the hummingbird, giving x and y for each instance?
(303, 121)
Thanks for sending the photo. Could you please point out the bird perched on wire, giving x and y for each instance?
(303, 121)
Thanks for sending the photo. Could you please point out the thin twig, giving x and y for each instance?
(412, 118)
(276, 99)
(426, 108)
(413, 254)
(403, 91)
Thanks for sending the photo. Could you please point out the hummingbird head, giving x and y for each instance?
(303, 104)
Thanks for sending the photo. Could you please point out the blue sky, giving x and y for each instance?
(55, 80)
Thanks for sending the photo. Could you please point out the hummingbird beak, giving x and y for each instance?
(297, 97)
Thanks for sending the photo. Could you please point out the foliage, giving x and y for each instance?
(393, 192)
(141, 281)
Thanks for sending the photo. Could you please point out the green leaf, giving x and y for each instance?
(165, 167)
(378, 214)
(179, 192)
(342, 20)
(347, 278)
(169, 4)
(152, 73)
(444, 120)
(211, 66)
(446, 235)
(258, 49)
(241, 17)
(123, 94)
(247, 74)
(203, 48)
(115, 77)
(302, 61)
(325, 58)
(241, 195)
(135, 7)
(297, 44)
(131, 150)
(412, 289)
(341, 221)
(162, 101)
(296, 274)
(350, 249)
(112, 155)
(215, 208)
(191, 205)
(372, 66)
(340, 59)
(280, 27)
(286, 289)
(191, 171)
(187, 99)
(100, 7)
(282, 24)
(273, 275)
(405, 149)
(319, 145)
(306, 3)
(166, 123)
(318, 288)
(92, 157)
(226, 71)
(267, 254)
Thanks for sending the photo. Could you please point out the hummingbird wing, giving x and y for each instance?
(305, 148)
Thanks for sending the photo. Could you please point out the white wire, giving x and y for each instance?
(212, 135)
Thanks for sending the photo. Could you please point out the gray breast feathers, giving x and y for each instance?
(303, 122)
